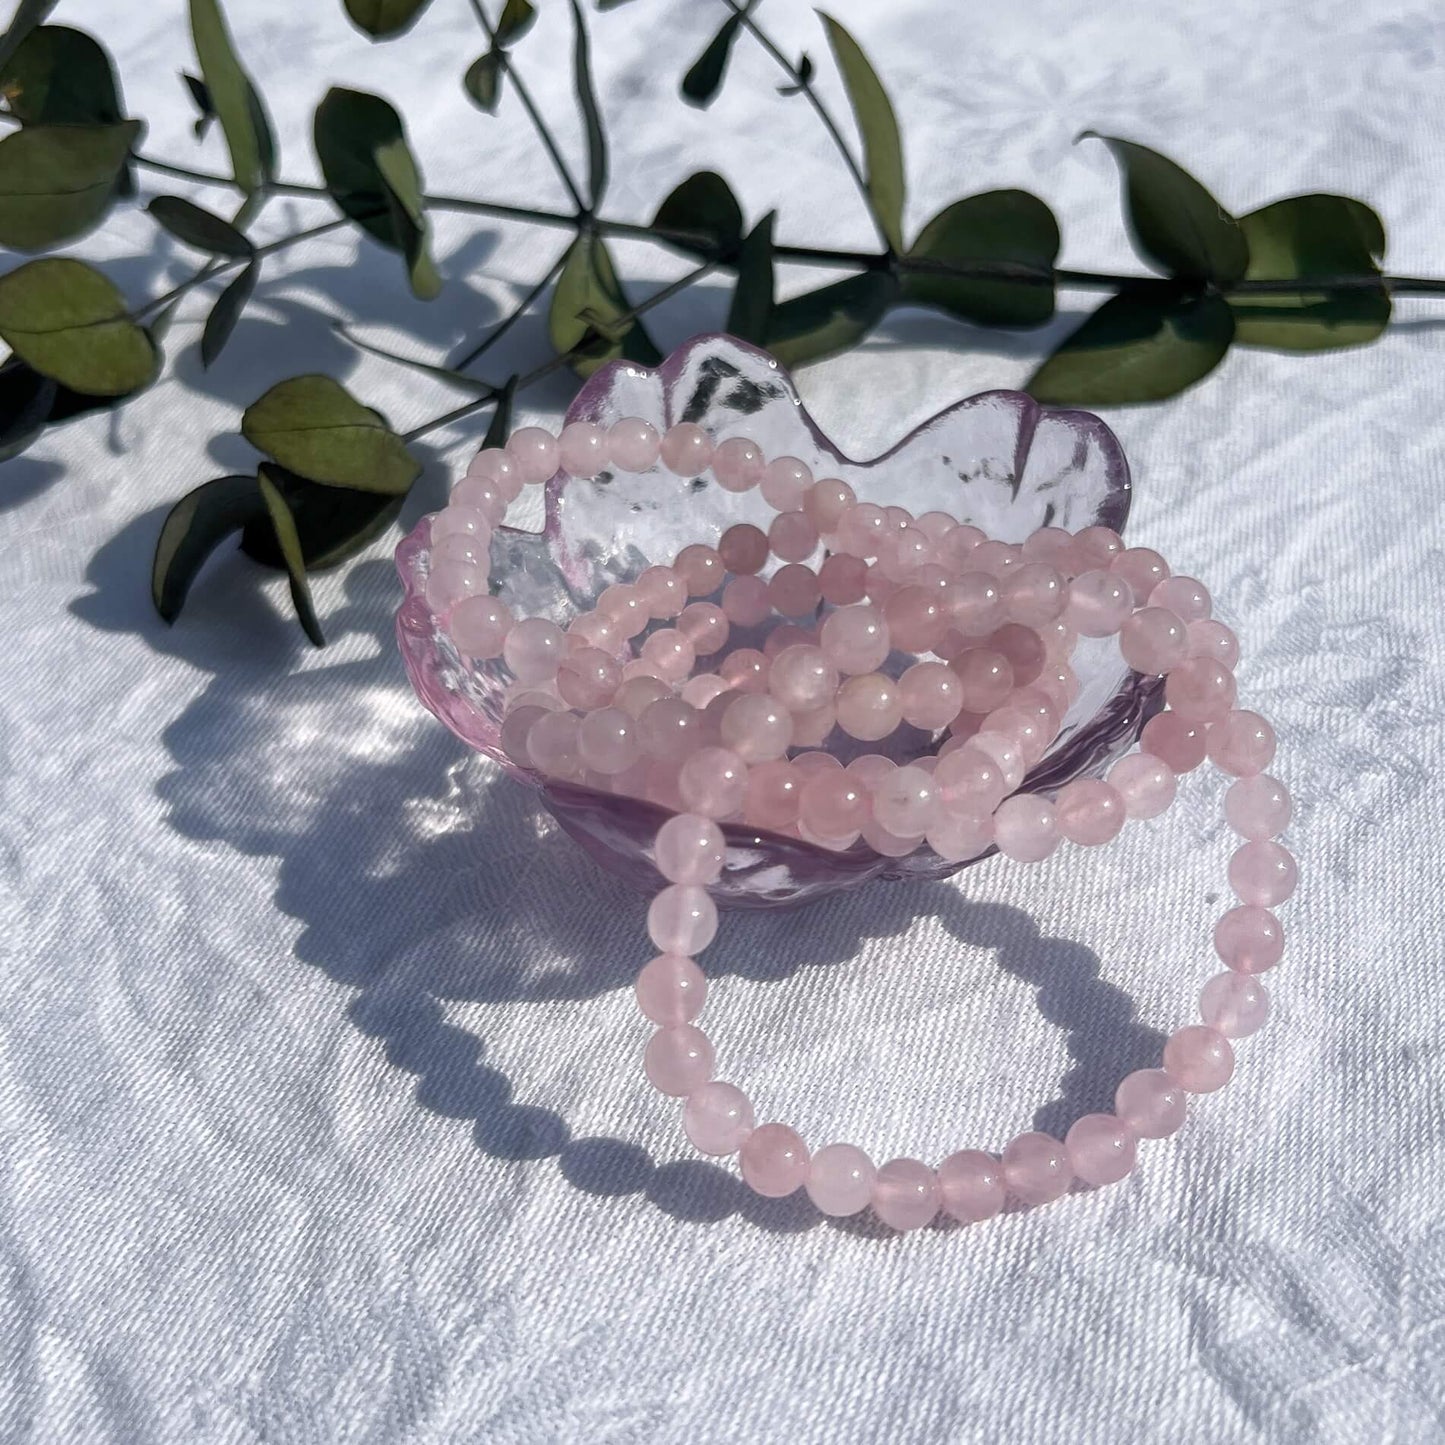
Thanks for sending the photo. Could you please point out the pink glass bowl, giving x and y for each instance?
(997, 460)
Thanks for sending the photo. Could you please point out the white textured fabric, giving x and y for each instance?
(321, 1115)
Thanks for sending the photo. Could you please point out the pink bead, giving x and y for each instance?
(1262, 873)
(757, 728)
(1036, 1168)
(1101, 1149)
(669, 653)
(932, 695)
(713, 782)
(587, 678)
(745, 600)
(792, 537)
(774, 1161)
(1256, 808)
(533, 649)
(1142, 568)
(745, 669)
(1241, 744)
(664, 591)
(634, 444)
(1175, 741)
(669, 729)
(743, 549)
(906, 801)
(706, 687)
(861, 529)
(1049, 544)
(959, 836)
(671, 989)
(970, 781)
(916, 618)
(960, 543)
(450, 580)
(1099, 603)
(840, 579)
(840, 1180)
(1235, 1004)
(975, 604)
(1199, 1059)
(785, 483)
(985, 678)
(705, 626)
(1153, 641)
(971, 1186)
(1026, 828)
(535, 453)
(608, 741)
(689, 849)
(717, 1118)
(855, 639)
(1145, 783)
(888, 843)
(1249, 939)
(1096, 547)
(582, 449)
(700, 568)
(834, 804)
(827, 501)
(626, 607)
(1200, 690)
(1006, 751)
(869, 706)
(1187, 597)
(1151, 1103)
(1089, 812)
(802, 678)
(793, 590)
(682, 918)
(1034, 593)
(494, 465)
(595, 629)
(773, 795)
(465, 522)
(1023, 727)
(517, 732)
(552, 745)
(905, 1194)
(678, 1060)
(1024, 649)
(738, 464)
(479, 626)
(1213, 640)
(996, 557)
(686, 449)
(462, 550)
(481, 495)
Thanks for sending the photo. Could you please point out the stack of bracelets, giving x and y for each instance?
(623, 699)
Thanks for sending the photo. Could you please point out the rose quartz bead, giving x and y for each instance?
(773, 795)
(1034, 593)
(1199, 1059)
(582, 449)
(533, 649)
(743, 549)
(587, 678)
(481, 495)
(686, 449)
(1006, 751)
(879, 584)
(970, 781)
(975, 604)
(1026, 828)
(689, 849)
(861, 529)
(717, 1118)
(494, 465)
(996, 557)
(517, 732)
(738, 464)
(596, 629)
(932, 695)
(713, 782)
(916, 619)
(451, 578)
(802, 678)
(1185, 596)
(671, 989)
(785, 483)
(534, 451)
(905, 802)
(1262, 873)
(757, 728)
(465, 522)
(1059, 683)
(1213, 640)
(834, 804)
(786, 635)
(1024, 649)
(985, 678)
(1036, 1168)
(971, 1186)
(1099, 603)
(669, 653)
(664, 591)
(706, 687)
(774, 1160)
(905, 1194)
(792, 537)
(678, 1060)
(682, 919)
(888, 843)
(1150, 1103)
(793, 590)
(1200, 690)
(1256, 808)
(633, 444)
(1153, 640)
(626, 607)
(855, 639)
(1059, 640)
(840, 1180)
(1024, 728)
(1101, 1149)
(1142, 568)
(1175, 741)
(1089, 812)
(1241, 744)
(841, 578)
(826, 502)
(746, 670)
(745, 601)
(608, 741)
(1145, 783)
(1249, 939)
(869, 706)
(960, 543)
(700, 568)
(1235, 1004)
(958, 836)
(1096, 547)
(479, 626)
(705, 625)
(552, 745)
(1049, 544)
(669, 729)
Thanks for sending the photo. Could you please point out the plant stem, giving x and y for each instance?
(506, 324)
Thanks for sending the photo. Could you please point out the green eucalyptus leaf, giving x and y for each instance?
(483, 81)
(705, 75)
(199, 227)
(289, 543)
(70, 323)
(25, 401)
(231, 92)
(833, 318)
(313, 426)
(60, 76)
(500, 427)
(1174, 220)
(227, 312)
(516, 20)
(28, 14)
(998, 227)
(587, 103)
(408, 214)
(1304, 238)
(703, 204)
(192, 530)
(752, 304)
(588, 287)
(333, 524)
(1145, 344)
(381, 19)
(882, 147)
(57, 181)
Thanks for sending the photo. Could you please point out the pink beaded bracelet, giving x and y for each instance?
(630, 706)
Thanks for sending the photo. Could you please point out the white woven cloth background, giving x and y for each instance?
(321, 1113)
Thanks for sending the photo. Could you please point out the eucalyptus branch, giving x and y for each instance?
(511, 319)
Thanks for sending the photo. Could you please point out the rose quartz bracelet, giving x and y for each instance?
(992, 626)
